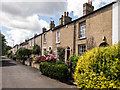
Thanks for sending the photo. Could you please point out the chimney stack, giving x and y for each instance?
(65, 19)
(64, 13)
(52, 25)
(67, 13)
(44, 29)
(88, 8)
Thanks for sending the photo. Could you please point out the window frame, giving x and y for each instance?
(81, 49)
(57, 36)
(32, 42)
(82, 32)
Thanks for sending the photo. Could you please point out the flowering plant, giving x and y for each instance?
(51, 57)
(40, 59)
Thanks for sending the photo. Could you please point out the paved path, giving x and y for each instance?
(16, 75)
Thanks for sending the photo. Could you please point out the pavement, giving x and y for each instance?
(15, 75)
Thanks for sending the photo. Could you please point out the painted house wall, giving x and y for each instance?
(98, 25)
(48, 43)
(115, 23)
(66, 37)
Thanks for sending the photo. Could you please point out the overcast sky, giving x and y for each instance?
(21, 20)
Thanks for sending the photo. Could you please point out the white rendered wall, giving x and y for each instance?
(119, 21)
(116, 23)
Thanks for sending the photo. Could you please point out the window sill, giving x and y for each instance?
(81, 38)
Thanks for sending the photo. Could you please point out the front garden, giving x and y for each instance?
(97, 68)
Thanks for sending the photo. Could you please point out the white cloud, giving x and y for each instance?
(18, 35)
(77, 5)
(22, 17)
(24, 9)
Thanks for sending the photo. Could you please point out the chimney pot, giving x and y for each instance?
(67, 13)
(89, 2)
(64, 13)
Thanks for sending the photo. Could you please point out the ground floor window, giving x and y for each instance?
(81, 49)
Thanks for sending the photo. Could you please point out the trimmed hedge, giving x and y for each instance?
(57, 71)
(99, 68)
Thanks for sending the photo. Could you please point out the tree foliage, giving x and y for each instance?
(23, 53)
(36, 50)
(61, 53)
(5, 47)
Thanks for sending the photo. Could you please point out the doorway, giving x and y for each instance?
(67, 54)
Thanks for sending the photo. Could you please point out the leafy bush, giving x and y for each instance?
(57, 71)
(36, 50)
(40, 59)
(59, 62)
(23, 54)
(51, 57)
(99, 68)
(73, 60)
(61, 53)
(9, 52)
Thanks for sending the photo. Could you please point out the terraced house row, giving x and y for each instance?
(94, 29)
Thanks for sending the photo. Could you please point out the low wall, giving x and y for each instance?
(34, 65)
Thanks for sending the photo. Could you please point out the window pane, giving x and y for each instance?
(82, 30)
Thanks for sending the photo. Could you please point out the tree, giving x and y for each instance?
(23, 54)
(61, 53)
(36, 50)
(5, 48)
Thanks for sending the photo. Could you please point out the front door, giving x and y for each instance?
(67, 54)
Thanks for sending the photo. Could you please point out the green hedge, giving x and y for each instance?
(99, 68)
(57, 71)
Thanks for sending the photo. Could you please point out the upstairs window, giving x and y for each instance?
(44, 38)
(30, 43)
(81, 49)
(82, 30)
(33, 42)
(57, 37)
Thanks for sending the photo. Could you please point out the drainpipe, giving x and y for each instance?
(74, 37)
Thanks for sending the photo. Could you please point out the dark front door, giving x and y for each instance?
(68, 54)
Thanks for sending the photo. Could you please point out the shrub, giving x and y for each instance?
(51, 57)
(9, 52)
(36, 50)
(99, 68)
(61, 53)
(73, 60)
(23, 54)
(40, 59)
(59, 62)
(57, 71)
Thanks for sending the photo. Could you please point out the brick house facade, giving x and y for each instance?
(93, 29)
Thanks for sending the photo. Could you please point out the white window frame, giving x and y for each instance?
(81, 50)
(33, 42)
(57, 36)
(30, 43)
(82, 30)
